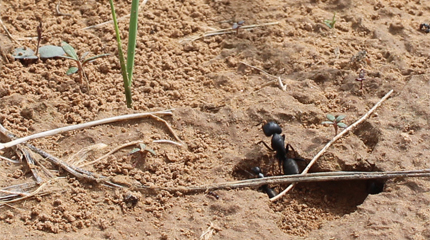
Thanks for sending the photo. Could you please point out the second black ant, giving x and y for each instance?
(269, 191)
(289, 165)
(425, 27)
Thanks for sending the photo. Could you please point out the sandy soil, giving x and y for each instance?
(219, 105)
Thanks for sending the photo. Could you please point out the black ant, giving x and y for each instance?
(270, 192)
(425, 27)
(289, 165)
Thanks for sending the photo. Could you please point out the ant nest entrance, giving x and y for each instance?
(309, 205)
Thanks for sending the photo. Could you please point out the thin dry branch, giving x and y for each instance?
(82, 154)
(167, 125)
(57, 9)
(298, 178)
(206, 235)
(168, 141)
(18, 190)
(7, 32)
(223, 31)
(278, 79)
(112, 152)
(81, 126)
(24, 195)
(334, 140)
(75, 171)
(23, 154)
(10, 160)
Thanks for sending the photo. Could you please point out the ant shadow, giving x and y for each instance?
(260, 157)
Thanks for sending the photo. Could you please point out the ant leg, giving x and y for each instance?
(267, 146)
(294, 151)
(287, 148)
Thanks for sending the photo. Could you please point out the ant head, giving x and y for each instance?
(256, 170)
(271, 128)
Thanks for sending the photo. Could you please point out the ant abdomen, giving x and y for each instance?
(269, 191)
(290, 167)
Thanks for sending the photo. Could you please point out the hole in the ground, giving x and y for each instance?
(309, 205)
(368, 134)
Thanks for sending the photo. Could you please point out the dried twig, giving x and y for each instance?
(168, 126)
(112, 152)
(57, 8)
(278, 79)
(206, 235)
(83, 125)
(75, 171)
(10, 160)
(7, 32)
(334, 140)
(23, 195)
(30, 162)
(82, 154)
(18, 190)
(23, 153)
(168, 141)
(222, 31)
(297, 178)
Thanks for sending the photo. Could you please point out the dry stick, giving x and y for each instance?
(298, 178)
(332, 141)
(206, 235)
(28, 195)
(111, 152)
(8, 33)
(30, 163)
(168, 141)
(11, 136)
(57, 8)
(223, 31)
(281, 85)
(81, 126)
(15, 190)
(168, 126)
(75, 171)
(23, 153)
(57, 161)
(126, 145)
(10, 160)
(111, 21)
(82, 154)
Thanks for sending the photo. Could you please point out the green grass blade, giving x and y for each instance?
(95, 57)
(72, 70)
(69, 50)
(131, 48)
(68, 57)
(127, 85)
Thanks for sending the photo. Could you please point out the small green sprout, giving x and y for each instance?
(142, 149)
(335, 121)
(330, 23)
(70, 51)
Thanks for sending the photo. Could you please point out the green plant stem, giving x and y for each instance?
(131, 48)
(127, 83)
